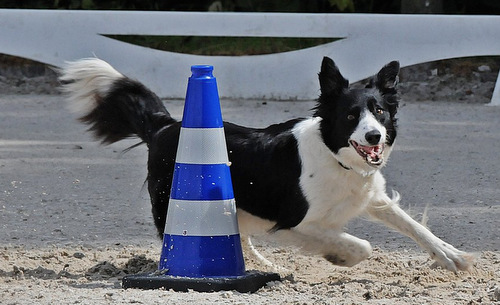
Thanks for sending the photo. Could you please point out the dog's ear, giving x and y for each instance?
(330, 80)
(386, 82)
(387, 78)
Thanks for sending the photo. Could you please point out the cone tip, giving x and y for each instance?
(202, 71)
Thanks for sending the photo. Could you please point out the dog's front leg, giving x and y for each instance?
(447, 256)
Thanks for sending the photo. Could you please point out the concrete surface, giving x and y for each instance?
(59, 187)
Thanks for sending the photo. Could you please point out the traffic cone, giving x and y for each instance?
(201, 245)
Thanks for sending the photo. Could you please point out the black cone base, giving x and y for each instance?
(251, 281)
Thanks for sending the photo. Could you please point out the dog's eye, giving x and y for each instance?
(351, 117)
(380, 111)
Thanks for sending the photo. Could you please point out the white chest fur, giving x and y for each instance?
(335, 194)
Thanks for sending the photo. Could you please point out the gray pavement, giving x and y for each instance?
(58, 187)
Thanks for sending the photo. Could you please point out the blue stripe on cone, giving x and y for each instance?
(201, 182)
(202, 256)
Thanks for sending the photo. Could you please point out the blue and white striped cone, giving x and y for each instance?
(201, 245)
(201, 234)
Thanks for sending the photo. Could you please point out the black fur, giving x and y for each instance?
(264, 168)
(129, 109)
(265, 163)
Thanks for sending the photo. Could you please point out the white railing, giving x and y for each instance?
(369, 41)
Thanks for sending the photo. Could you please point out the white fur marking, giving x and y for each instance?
(367, 123)
(335, 195)
(85, 81)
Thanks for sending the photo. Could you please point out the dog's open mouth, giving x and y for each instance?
(371, 154)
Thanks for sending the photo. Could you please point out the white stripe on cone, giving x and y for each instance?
(202, 146)
(201, 218)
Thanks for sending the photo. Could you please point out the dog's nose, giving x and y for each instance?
(373, 137)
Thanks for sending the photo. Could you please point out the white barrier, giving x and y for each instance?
(369, 41)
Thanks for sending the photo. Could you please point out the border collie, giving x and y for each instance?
(303, 179)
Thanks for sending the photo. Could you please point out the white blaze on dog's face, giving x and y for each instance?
(358, 125)
(367, 144)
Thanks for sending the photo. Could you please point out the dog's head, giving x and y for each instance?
(358, 125)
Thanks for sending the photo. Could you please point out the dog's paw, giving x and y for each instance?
(336, 260)
(355, 254)
(450, 258)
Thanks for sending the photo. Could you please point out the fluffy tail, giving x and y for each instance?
(114, 106)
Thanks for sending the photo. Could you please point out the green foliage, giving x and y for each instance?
(223, 46)
(343, 5)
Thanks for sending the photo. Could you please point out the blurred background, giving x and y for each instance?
(466, 79)
(303, 6)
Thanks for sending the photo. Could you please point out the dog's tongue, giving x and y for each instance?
(372, 151)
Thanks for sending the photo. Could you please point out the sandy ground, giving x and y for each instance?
(75, 216)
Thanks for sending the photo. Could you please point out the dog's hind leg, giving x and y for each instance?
(388, 211)
(251, 225)
(250, 249)
(337, 247)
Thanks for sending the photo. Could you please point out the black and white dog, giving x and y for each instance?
(303, 179)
